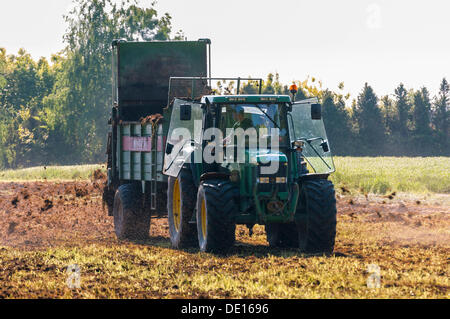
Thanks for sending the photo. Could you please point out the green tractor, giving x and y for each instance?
(209, 161)
(207, 198)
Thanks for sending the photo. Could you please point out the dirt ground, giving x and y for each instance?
(42, 215)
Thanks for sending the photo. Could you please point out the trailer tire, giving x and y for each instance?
(130, 220)
(282, 235)
(216, 211)
(181, 194)
(317, 231)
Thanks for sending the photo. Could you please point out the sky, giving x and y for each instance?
(380, 42)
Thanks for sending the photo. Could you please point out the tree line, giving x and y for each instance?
(406, 123)
(56, 112)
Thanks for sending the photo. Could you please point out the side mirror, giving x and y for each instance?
(316, 111)
(185, 112)
(325, 146)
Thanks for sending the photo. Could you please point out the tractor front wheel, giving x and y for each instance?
(317, 230)
(216, 209)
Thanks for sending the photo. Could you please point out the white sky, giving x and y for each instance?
(381, 42)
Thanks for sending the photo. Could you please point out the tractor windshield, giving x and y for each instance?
(316, 150)
(263, 118)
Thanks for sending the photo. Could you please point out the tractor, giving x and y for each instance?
(210, 162)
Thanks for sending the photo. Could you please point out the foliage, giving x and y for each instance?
(58, 113)
(23, 123)
(368, 119)
(441, 116)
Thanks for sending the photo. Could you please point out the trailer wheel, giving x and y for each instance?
(130, 221)
(317, 231)
(181, 193)
(216, 209)
(282, 235)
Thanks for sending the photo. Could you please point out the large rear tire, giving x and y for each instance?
(181, 196)
(130, 220)
(216, 210)
(317, 230)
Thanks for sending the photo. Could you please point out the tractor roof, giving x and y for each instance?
(247, 98)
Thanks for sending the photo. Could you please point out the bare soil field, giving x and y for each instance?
(47, 226)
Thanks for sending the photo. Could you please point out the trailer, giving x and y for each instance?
(141, 73)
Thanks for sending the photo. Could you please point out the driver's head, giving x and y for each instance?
(238, 113)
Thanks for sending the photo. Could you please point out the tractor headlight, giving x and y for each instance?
(263, 180)
(281, 180)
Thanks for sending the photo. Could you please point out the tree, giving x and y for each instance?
(83, 98)
(390, 121)
(389, 114)
(250, 87)
(271, 85)
(370, 123)
(422, 137)
(403, 109)
(23, 132)
(441, 117)
(337, 123)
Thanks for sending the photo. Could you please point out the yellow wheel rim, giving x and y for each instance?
(203, 216)
(176, 205)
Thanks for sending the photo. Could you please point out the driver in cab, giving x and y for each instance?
(240, 120)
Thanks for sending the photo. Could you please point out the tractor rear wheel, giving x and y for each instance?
(317, 230)
(216, 209)
(130, 220)
(282, 235)
(181, 193)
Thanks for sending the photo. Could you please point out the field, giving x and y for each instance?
(402, 229)
(387, 174)
(378, 175)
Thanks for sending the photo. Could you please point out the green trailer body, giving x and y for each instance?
(141, 73)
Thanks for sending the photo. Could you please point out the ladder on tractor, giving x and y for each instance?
(154, 162)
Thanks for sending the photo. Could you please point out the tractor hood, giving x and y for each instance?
(265, 156)
(260, 158)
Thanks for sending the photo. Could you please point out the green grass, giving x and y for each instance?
(51, 173)
(357, 174)
(386, 174)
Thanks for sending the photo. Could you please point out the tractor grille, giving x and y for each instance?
(272, 180)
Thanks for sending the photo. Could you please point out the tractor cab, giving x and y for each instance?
(252, 154)
(226, 133)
